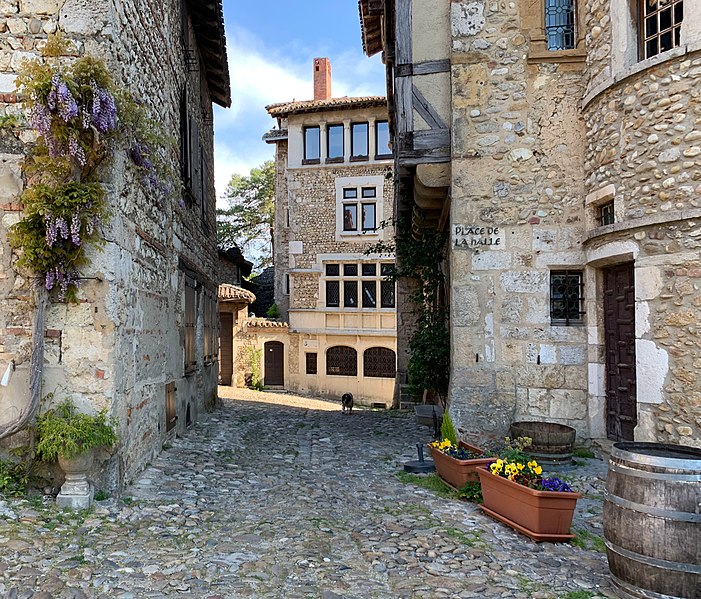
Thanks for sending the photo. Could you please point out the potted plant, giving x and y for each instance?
(456, 461)
(516, 493)
(70, 436)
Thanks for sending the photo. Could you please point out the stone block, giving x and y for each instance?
(548, 354)
(466, 306)
(568, 404)
(10, 182)
(7, 83)
(83, 17)
(39, 7)
(524, 282)
(572, 354)
(491, 260)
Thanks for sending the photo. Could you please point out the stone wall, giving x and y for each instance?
(516, 214)
(123, 343)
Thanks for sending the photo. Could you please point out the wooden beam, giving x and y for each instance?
(426, 110)
(404, 28)
(428, 67)
(404, 105)
(432, 140)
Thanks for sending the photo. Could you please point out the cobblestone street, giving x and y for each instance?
(275, 496)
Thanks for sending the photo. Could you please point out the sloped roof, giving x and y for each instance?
(371, 25)
(233, 293)
(208, 24)
(302, 106)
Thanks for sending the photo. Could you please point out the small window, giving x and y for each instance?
(350, 294)
(311, 143)
(382, 148)
(350, 270)
(350, 193)
(661, 23)
(332, 270)
(369, 294)
(559, 24)
(606, 215)
(350, 217)
(369, 223)
(334, 142)
(386, 269)
(311, 363)
(369, 270)
(379, 362)
(369, 192)
(333, 294)
(359, 140)
(286, 289)
(566, 297)
(341, 361)
(387, 294)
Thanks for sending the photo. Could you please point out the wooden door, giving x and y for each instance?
(274, 364)
(226, 347)
(619, 330)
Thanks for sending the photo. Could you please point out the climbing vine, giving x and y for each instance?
(81, 118)
(420, 260)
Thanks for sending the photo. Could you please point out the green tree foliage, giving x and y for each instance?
(249, 220)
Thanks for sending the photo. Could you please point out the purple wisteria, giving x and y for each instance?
(103, 111)
(61, 100)
(61, 279)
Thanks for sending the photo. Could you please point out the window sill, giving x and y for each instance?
(338, 160)
(563, 323)
(384, 156)
(359, 158)
(542, 54)
(308, 161)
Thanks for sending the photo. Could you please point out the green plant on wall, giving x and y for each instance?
(420, 259)
(253, 359)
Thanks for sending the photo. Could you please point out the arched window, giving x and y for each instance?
(341, 361)
(379, 362)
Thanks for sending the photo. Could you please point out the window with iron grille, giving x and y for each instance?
(362, 285)
(379, 362)
(311, 362)
(606, 214)
(341, 361)
(559, 24)
(566, 297)
(660, 23)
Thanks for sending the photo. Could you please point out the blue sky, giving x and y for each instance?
(271, 46)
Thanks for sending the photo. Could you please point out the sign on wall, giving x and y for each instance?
(477, 237)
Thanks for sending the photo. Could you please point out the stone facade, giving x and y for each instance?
(581, 160)
(124, 342)
(312, 199)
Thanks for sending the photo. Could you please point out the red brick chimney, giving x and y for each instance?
(322, 78)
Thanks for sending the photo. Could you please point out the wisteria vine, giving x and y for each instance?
(80, 119)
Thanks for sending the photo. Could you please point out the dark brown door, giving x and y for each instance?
(274, 364)
(619, 328)
(226, 347)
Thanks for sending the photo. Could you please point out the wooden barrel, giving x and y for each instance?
(551, 442)
(652, 520)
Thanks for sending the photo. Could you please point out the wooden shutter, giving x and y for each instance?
(195, 161)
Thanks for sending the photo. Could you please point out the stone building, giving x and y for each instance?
(141, 342)
(558, 143)
(334, 189)
(235, 297)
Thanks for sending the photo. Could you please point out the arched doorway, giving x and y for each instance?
(274, 364)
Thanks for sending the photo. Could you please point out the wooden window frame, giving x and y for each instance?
(306, 159)
(533, 22)
(311, 363)
(190, 301)
(643, 39)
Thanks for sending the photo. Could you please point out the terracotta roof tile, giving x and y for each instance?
(285, 108)
(266, 323)
(233, 293)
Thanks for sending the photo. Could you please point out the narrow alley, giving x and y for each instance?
(278, 496)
